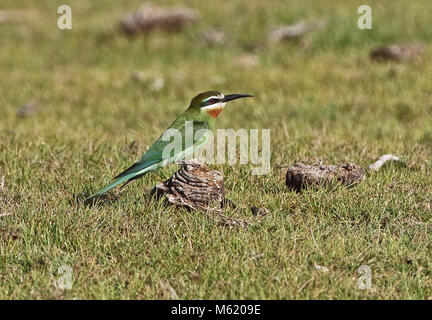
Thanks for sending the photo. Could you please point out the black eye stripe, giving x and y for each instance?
(209, 102)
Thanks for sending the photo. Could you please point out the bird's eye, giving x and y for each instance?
(209, 102)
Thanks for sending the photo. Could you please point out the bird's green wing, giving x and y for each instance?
(155, 153)
(154, 157)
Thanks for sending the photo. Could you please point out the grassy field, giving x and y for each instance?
(323, 100)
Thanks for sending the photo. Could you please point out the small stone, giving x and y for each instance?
(213, 37)
(247, 60)
(295, 31)
(158, 84)
(155, 83)
(28, 110)
(321, 268)
(150, 17)
(259, 212)
(137, 76)
(399, 52)
(301, 176)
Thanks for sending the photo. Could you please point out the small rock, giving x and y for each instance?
(137, 76)
(301, 176)
(321, 268)
(155, 83)
(260, 212)
(150, 17)
(399, 52)
(247, 60)
(27, 110)
(294, 31)
(158, 84)
(213, 37)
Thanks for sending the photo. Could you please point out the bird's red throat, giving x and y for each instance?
(214, 112)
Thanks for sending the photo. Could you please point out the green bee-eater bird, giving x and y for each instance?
(202, 112)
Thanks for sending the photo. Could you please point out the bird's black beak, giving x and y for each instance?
(230, 97)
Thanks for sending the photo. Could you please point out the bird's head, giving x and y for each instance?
(213, 102)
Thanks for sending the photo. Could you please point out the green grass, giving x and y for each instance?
(326, 101)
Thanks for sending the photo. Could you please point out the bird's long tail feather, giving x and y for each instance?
(118, 181)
